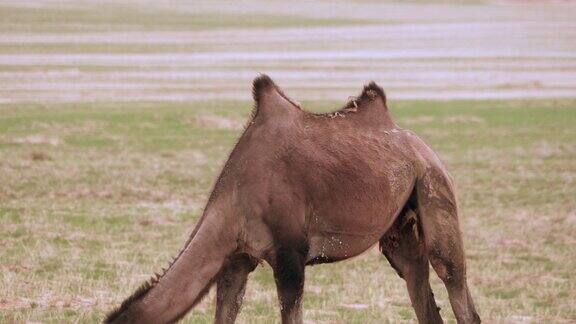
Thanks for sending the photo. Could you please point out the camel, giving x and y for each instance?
(301, 189)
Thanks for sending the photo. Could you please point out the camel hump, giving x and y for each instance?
(373, 91)
(370, 106)
(371, 101)
(372, 98)
(270, 100)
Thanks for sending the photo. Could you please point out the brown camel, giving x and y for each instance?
(300, 189)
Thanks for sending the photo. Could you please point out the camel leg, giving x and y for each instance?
(439, 216)
(289, 275)
(405, 250)
(231, 285)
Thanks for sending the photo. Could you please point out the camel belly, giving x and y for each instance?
(332, 247)
(344, 227)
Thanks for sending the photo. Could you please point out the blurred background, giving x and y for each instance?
(116, 117)
(86, 51)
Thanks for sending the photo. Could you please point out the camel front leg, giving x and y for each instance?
(289, 275)
(231, 286)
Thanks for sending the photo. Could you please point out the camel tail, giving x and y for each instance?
(169, 296)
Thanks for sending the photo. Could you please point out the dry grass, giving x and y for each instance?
(86, 220)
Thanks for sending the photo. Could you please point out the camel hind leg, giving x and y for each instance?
(404, 248)
(436, 205)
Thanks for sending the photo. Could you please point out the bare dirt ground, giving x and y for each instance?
(321, 51)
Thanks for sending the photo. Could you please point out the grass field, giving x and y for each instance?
(95, 197)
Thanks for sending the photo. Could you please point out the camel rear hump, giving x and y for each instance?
(370, 107)
(372, 97)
